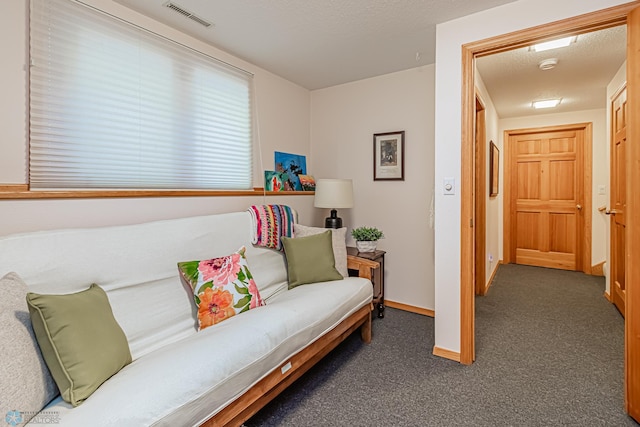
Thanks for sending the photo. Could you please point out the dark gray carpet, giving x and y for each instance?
(549, 352)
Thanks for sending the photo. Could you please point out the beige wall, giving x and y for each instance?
(283, 125)
(17, 216)
(600, 169)
(450, 37)
(344, 119)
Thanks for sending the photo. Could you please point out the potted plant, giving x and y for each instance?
(366, 238)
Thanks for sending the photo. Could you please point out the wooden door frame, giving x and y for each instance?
(632, 230)
(583, 264)
(481, 199)
(598, 20)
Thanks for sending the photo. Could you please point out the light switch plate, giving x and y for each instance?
(449, 186)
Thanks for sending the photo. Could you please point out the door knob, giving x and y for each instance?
(579, 207)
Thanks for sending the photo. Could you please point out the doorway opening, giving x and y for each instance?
(625, 14)
(579, 25)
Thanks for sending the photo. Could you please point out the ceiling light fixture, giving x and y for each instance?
(548, 64)
(553, 44)
(548, 103)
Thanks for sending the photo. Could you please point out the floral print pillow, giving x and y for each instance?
(222, 287)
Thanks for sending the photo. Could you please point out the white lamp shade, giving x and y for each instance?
(334, 193)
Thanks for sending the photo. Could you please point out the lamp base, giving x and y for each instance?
(333, 221)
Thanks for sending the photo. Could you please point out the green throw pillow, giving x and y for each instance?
(81, 341)
(310, 259)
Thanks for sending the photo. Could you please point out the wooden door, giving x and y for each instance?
(618, 198)
(547, 192)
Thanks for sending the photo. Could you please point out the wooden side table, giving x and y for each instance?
(378, 276)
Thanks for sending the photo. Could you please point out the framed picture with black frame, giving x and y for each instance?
(388, 156)
(494, 169)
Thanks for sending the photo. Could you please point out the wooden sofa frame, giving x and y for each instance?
(280, 378)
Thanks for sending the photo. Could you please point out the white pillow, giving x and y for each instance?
(26, 385)
(338, 240)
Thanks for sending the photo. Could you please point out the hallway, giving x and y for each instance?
(565, 336)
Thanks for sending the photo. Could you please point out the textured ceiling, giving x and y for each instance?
(322, 43)
(319, 43)
(584, 69)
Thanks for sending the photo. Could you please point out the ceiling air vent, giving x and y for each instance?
(184, 12)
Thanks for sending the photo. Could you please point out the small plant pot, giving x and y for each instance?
(366, 246)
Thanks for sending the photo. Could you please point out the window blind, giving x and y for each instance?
(115, 106)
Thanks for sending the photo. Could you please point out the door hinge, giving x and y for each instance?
(471, 222)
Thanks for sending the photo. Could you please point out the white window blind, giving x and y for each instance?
(115, 106)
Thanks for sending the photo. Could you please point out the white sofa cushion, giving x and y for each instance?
(136, 266)
(194, 378)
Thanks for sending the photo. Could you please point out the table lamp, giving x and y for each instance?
(333, 194)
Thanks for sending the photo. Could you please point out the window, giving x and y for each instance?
(113, 106)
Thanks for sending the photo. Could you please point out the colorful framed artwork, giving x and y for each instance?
(388, 156)
(275, 181)
(293, 165)
(308, 182)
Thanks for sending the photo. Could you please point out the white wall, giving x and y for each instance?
(17, 216)
(618, 81)
(450, 38)
(343, 121)
(282, 111)
(600, 169)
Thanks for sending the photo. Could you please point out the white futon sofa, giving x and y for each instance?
(181, 377)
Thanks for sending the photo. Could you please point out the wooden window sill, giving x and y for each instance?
(21, 191)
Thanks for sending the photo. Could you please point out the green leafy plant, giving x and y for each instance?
(367, 234)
